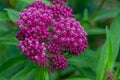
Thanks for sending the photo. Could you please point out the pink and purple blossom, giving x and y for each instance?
(47, 31)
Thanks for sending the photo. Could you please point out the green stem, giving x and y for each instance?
(117, 71)
(97, 10)
(41, 73)
(46, 74)
(58, 75)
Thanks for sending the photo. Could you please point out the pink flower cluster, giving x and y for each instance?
(46, 32)
(71, 35)
(59, 62)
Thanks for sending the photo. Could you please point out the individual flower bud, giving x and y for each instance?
(22, 34)
(60, 2)
(38, 4)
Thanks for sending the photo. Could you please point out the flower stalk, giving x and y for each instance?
(98, 9)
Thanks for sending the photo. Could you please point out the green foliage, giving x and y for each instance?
(78, 79)
(12, 14)
(96, 31)
(9, 68)
(47, 2)
(86, 57)
(117, 78)
(3, 16)
(104, 57)
(24, 3)
(9, 37)
(106, 14)
(41, 74)
(109, 50)
(24, 74)
(2, 78)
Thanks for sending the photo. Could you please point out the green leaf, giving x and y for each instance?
(46, 75)
(24, 4)
(115, 31)
(28, 1)
(88, 72)
(19, 7)
(68, 71)
(24, 74)
(13, 2)
(14, 41)
(11, 62)
(9, 41)
(85, 21)
(110, 49)
(9, 37)
(12, 14)
(83, 60)
(78, 61)
(95, 31)
(106, 14)
(4, 27)
(3, 16)
(3, 78)
(118, 78)
(111, 54)
(41, 74)
(104, 57)
(85, 15)
(13, 65)
(78, 79)
(47, 2)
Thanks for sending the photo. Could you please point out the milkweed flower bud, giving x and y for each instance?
(58, 1)
(38, 4)
(46, 32)
(22, 34)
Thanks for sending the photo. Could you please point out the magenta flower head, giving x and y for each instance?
(47, 32)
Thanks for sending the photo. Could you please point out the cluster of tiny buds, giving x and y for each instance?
(47, 31)
(60, 62)
(69, 33)
(54, 47)
(33, 49)
(60, 2)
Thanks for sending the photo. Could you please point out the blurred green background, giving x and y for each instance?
(94, 15)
